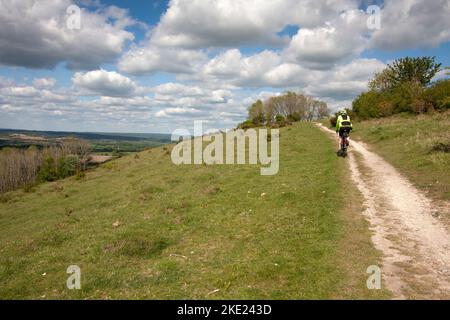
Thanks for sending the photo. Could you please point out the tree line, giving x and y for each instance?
(404, 86)
(26, 167)
(277, 111)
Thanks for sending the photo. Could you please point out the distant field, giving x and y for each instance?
(418, 146)
(101, 142)
(141, 227)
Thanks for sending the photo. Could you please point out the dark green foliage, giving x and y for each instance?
(48, 171)
(420, 70)
(256, 113)
(279, 118)
(438, 95)
(294, 117)
(247, 125)
(72, 163)
(404, 88)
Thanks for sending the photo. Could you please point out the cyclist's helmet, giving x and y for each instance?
(342, 112)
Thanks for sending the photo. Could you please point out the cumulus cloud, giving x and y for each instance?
(176, 111)
(224, 54)
(324, 46)
(412, 24)
(106, 83)
(346, 81)
(151, 59)
(177, 43)
(221, 23)
(34, 34)
(44, 83)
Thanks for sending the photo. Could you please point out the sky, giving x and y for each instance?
(156, 66)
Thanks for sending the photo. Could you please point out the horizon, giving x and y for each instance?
(96, 132)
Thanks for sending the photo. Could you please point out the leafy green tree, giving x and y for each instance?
(256, 112)
(366, 105)
(408, 69)
(382, 82)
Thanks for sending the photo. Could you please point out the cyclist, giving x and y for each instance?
(343, 124)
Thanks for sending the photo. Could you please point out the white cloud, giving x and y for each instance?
(221, 23)
(151, 59)
(170, 89)
(334, 41)
(34, 34)
(177, 43)
(44, 83)
(176, 111)
(106, 83)
(344, 82)
(412, 24)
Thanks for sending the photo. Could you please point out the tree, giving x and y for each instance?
(382, 81)
(420, 70)
(322, 111)
(256, 112)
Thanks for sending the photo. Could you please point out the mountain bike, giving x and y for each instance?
(344, 145)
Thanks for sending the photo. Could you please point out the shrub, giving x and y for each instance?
(279, 118)
(247, 125)
(294, 117)
(404, 88)
(48, 171)
(72, 162)
(438, 95)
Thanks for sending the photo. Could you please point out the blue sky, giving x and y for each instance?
(155, 66)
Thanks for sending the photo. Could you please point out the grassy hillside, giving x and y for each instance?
(140, 227)
(418, 146)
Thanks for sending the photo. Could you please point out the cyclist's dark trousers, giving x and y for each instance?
(342, 130)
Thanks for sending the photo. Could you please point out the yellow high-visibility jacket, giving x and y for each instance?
(343, 121)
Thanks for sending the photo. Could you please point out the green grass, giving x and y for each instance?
(415, 146)
(185, 231)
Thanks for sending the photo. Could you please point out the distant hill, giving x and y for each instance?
(102, 142)
(91, 135)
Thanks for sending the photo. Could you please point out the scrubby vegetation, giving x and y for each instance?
(282, 110)
(21, 167)
(404, 87)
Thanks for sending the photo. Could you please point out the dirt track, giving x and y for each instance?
(406, 227)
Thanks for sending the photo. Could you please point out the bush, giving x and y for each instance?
(404, 88)
(68, 166)
(333, 121)
(247, 125)
(48, 171)
(366, 105)
(438, 95)
(294, 117)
